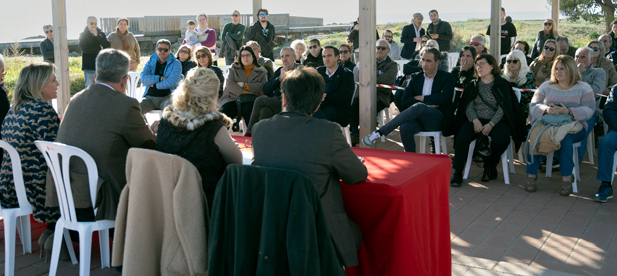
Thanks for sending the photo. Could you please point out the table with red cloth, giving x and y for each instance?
(403, 211)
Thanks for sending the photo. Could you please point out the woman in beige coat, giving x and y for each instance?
(124, 40)
(245, 82)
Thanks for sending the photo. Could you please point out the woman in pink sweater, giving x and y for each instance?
(205, 35)
(566, 93)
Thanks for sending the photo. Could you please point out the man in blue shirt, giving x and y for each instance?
(161, 75)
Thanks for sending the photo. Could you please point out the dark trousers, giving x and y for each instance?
(230, 109)
(264, 108)
(330, 113)
(500, 139)
(354, 119)
(412, 120)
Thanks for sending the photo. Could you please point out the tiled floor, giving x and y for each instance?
(496, 229)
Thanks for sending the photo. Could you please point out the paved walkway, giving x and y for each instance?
(496, 229)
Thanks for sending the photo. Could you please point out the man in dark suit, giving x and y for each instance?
(315, 148)
(105, 123)
(336, 107)
(412, 35)
(47, 45)
(427, 103)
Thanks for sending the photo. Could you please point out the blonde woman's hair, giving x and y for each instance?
(299, 42)
(31, 81)
(553, 31)
(557, 50)
(433, 43)
(198, 92)
(521, 78)
(570, 67)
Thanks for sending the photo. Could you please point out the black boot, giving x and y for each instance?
(457, 179)
(490, 173)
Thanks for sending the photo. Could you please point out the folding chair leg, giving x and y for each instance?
(9, 245)
(510, 158)
(549, 165)
(575, 170)
(504, 165)
(69, 246)
(591, 146)
(437, 144)
(104, 246)
(444, 147)
(472, 146)
(85, 252)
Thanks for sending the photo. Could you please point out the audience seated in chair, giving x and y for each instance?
(606, 150)
(160, 75)
(336, 106)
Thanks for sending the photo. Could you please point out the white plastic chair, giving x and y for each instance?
(134, 78)
(153, 116)
(452, 59)
(16, 217)
(506, 157)
(401, 63)
(591, 147)
(68, 220)
(440, 141)
(575, 171)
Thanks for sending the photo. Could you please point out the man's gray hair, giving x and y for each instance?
(293, 52)
(590, 53)
(416, 15)
(383, 40)
(112, 65)
(47, 26)
(480, 36)
(90, 17)
(163, 41)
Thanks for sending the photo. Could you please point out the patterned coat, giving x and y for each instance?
(35, 120)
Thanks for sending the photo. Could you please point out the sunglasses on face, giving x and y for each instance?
(423, 41)
(313, 47)
(235, 15)
(387, 36)
(344, 51)
(475, 43)
(549, 48)
(184, 51)
(163, 49)
(263, 14)
(50, 31)
(201, 56)
(595, 49)
(381, 48)
(512, 61)
(548, 24)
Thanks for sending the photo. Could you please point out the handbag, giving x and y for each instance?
(548, 121)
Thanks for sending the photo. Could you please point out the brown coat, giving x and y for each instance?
(256, 81)
(105, 123)
(116, 43)
(611, 73)
(162, 224)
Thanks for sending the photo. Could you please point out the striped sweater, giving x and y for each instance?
(579, 99)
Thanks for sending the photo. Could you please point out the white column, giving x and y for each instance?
(368, 67)
(61, 55)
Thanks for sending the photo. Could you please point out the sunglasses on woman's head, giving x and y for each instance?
(548, 24)
(512, 61)
(549, 48)
(475, 43)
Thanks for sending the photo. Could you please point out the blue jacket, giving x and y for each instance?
(610, 110)
(173, 73)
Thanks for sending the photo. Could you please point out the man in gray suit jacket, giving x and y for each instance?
(296, 141)
(105, 123)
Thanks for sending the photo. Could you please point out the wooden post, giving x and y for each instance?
(496, 29)
(556, 15)
(256, 7)
(368, 67)
(61, 55)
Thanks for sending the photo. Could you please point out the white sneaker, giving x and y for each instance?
(370, 140)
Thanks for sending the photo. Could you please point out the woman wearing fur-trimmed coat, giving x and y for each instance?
(192, 128)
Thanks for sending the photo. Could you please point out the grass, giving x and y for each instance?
(578, 32)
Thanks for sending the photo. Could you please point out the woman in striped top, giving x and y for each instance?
(566, 93)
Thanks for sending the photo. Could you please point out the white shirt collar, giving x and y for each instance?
(104, 84)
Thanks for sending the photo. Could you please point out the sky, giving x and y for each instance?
(24, 18)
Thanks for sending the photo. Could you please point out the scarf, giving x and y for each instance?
(192, 121)
(124, 38)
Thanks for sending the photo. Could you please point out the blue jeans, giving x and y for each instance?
(565, 154)
(606, 152)
(89, 76)
(412, 120)
(583, 148)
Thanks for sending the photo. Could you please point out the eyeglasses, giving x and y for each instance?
(382, 48)
(423, 41)
(235, 15)
(475, 43)
(344, 51)
(548, 24)
(165, 50)
(50, 31)
(92, 23)
(201, 56)
(313, 47)
(246, 56)
(481, 64)
(549, 48)
(515, 61)
(263, 14)
(184, 51)
(595, 49)
(387, 36)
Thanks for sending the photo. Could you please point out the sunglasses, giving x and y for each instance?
(381, 48)
(163, 49)
(201, 56)
(475, 43)
(512, 61)
(595, 49)
(344, 51)
(263, 14)
(423, 41)
(184, 51)
(387, 36)
(549, 48)
(313, 47)
(50, 31)
(235, 15)
(93, 23)
(548, 24)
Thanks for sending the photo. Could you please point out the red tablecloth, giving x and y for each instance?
(403, 211)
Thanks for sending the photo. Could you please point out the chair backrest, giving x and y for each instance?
(225, 69)
(452, 59)
(401, 63)
(134, 78)
(18, 178)
(52, 151)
